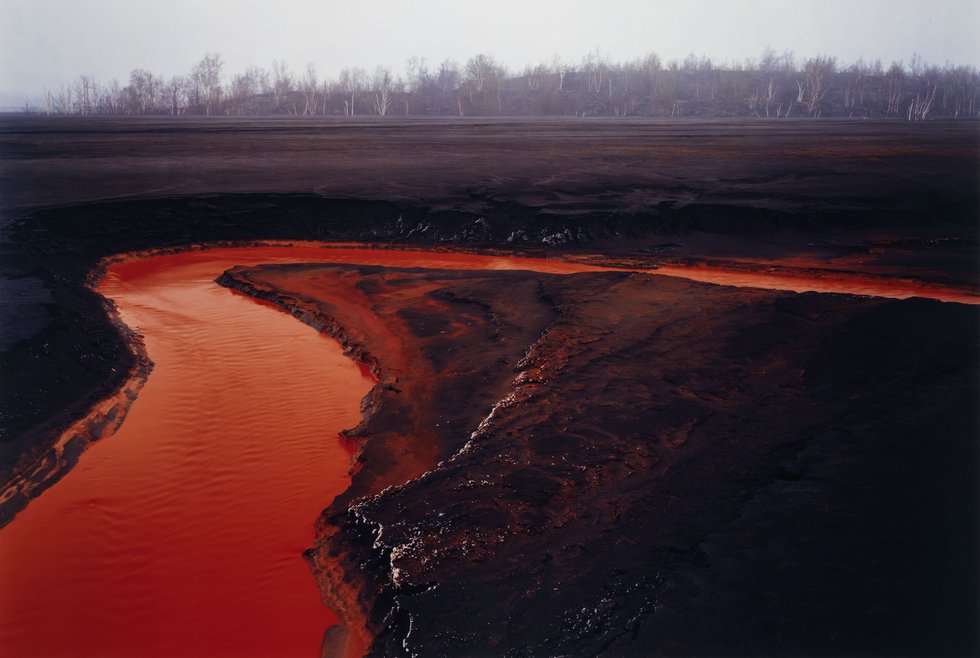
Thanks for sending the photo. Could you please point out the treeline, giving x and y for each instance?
(774, 86)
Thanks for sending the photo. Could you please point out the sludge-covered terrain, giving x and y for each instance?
(673, 468)
(670, 467)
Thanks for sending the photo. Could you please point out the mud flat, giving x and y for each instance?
(783, 473)
(639, 465)
(885, 198)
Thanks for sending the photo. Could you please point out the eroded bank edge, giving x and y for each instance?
(38, 472)
(356, 570)
(338, 591)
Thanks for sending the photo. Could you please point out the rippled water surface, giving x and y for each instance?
(182, 534)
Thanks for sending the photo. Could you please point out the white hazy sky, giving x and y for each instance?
(45, 42)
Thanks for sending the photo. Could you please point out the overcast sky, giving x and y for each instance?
(45, 42)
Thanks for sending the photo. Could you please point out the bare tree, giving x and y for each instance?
(699, 68)
(534, 76)
(894, 80)
(143, 91)
(244, 87)
(417, 74)
(88, 91)
(352, 80)
(480, 70)
(309, 88)
(960, 90)
(500, 75)
(787, 61)
(206, 77)
(282, 82)
(695, 85)
(851, 90)
(111, 102)
(559, 69)
(922, 103)
(753, 101)
(448, 76)
(770, 95)
(916, 65)
(819, 73)
(64, 102)
(325, 94)
(382, 91)
(652, 66)
(595, 68)
(768, 61)
(177, 95)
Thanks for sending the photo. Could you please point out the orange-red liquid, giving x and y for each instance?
(181, 535)
(831, 282)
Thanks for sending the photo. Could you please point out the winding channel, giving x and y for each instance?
(182, 533)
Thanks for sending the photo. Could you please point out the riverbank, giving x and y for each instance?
(873, 203)
(182, 534)
(884, 198)
(61, 357)
(748, 461)
(36, 458)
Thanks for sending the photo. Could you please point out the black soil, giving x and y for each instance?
(778, 473)
(675, 468)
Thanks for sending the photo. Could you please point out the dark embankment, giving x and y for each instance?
(682, 468)
(883, 197)
(183, 534)
(637, 465)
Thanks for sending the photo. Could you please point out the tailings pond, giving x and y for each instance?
(182, 533)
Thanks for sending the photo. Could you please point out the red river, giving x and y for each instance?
(182, 533)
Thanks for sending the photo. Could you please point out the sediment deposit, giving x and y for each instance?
(805, 465)
(647, 466)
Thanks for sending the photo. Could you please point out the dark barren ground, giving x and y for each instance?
(675, 467)
(683, 468)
